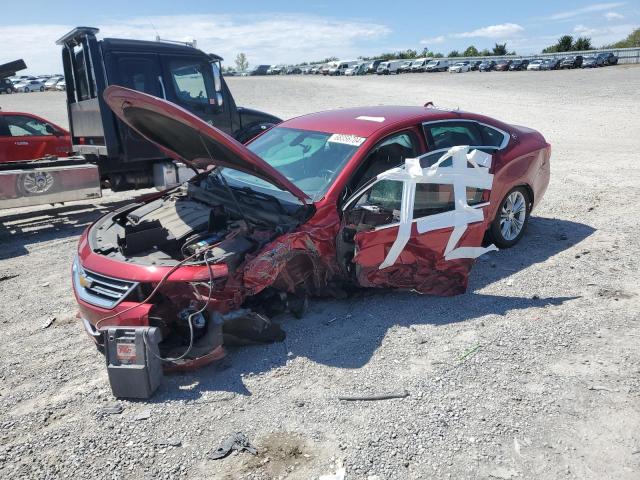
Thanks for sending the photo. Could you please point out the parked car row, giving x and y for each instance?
(29, 83)
(419, 65)
(571, 61)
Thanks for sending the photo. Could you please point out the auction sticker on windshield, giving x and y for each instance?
(346, 139)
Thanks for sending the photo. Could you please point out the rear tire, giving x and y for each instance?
(511, 219)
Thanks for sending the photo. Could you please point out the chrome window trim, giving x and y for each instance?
(505, 136)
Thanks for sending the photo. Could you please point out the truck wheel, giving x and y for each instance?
(35, 183)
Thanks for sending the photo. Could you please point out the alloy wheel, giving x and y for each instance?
(513, 214)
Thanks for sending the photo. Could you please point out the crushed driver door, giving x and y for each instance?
(419, 226)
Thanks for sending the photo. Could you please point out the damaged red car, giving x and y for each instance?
(388, 197)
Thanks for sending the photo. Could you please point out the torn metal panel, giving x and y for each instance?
(303, 259)
(435, 248)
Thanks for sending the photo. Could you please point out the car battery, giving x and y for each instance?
(133, 360)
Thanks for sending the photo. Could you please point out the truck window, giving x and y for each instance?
(139, 73)
(189, 81)
(81, 75)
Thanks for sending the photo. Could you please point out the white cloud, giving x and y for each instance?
(604, 35)
(613, 16)
(493, 31)
(585, 31)
(264, 39)
(432, 40)
(596, 7)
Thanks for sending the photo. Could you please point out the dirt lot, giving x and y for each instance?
(534, 373)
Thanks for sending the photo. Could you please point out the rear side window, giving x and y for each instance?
(449, 134)
(491, 137)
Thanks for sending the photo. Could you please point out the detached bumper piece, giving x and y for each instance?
(133, 361)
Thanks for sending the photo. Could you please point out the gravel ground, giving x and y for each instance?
(534, 373)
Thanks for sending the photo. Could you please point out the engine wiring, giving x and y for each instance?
(189, 320)
(203, 252)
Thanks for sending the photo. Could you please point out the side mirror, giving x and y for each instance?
(217, 84)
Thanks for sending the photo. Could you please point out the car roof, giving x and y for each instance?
(366, 121)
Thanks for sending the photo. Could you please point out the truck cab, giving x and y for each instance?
(179, 73)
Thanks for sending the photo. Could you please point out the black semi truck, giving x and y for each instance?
(107, 153)
(178, 73)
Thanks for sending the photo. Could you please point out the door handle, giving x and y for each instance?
(21, 143)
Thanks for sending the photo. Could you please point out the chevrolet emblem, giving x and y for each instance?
(84, 281)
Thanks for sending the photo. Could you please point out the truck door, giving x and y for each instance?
(194, 84)
(140, 72)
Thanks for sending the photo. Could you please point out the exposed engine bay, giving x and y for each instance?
(203, 223)
(191, 217)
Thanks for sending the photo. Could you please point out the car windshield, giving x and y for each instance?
(310, 160)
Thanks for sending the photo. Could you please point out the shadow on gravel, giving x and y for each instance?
(50, 223)
(346, 333)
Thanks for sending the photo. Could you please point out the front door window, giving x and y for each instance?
(189, 82)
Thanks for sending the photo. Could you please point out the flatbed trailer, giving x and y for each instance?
(48, 181)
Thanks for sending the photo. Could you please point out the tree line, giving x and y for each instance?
(499, 49)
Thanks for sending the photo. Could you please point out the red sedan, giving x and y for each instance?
(24, 136)
(392, 197)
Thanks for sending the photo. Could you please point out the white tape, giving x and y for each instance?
(461, 176)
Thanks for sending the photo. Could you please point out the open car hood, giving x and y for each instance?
(186, 137)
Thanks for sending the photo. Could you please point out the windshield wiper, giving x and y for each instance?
(264, 196)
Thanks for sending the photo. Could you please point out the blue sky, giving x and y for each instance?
(279, 31)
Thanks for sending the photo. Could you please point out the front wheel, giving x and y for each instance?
(26, 89)
(511, 219)
(42, 89)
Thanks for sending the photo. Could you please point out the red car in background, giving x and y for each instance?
(391, 197)
(24, 136)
